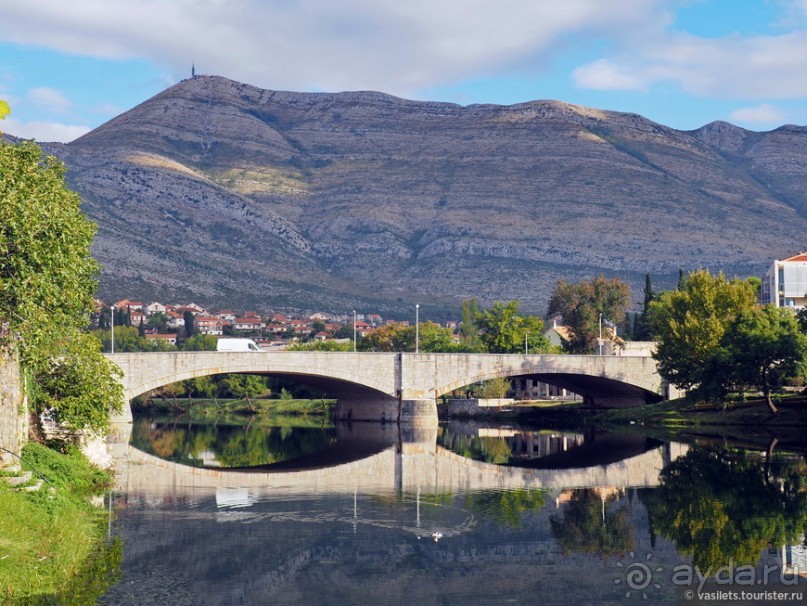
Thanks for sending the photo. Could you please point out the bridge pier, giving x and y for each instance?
(414, 413)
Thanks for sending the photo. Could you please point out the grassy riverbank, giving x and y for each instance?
(256, 406)
(53, 547)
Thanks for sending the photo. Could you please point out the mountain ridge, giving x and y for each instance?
(227, 193)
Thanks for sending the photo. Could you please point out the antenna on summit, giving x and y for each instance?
(193, 70)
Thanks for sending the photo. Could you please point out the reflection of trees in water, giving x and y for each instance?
(505, 507)
(233, 446)
(723, 506)
(489, 450)
(588, 525)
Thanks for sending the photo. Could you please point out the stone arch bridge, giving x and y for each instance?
(401, 387)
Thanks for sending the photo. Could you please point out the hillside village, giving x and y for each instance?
(166, 323)
(783, 285)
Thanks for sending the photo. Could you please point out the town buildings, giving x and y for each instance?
(785, 283)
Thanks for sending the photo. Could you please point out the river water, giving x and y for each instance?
(218, 514)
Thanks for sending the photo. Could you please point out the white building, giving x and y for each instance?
(785, 283)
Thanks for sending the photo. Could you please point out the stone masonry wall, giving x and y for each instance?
(13, 405)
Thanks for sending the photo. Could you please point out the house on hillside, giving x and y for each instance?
(248, 323)
(227, 315)
(155, 308)
(207, 325)
(166, 338)
(785, 283)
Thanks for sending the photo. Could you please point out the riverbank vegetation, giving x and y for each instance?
(715, 340)
(48, 278)
(53, 548)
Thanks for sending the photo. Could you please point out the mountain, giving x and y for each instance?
(230, 194)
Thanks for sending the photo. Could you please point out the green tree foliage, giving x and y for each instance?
(494, 388)
(721, 506)
(199, 342)
(397, 337)
(801, 317)
(470, 313)
(128, 339)
(71, 386)
(322, 346)
(159, 321)
(689, 323)
(503, 330)
(763, 348)
(392, 337)
(47, 281)
(189, 321)
(582, 304)
(244, 387)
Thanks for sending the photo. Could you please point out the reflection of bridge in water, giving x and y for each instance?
(406, 461)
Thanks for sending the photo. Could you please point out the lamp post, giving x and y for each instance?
(599, 340)
(525, 342)
(417, 327)
(354, 330)
(112, 327)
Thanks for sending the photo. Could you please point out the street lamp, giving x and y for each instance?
(599, 340)
(112, 327)
(417, 327)
(354, 330)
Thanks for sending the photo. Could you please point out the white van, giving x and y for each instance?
(237, 345)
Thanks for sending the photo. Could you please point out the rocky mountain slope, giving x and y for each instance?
(230, 194)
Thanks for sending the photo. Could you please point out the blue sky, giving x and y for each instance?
(67, 67)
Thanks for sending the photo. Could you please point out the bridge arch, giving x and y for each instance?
(341, 375)
(601, 380)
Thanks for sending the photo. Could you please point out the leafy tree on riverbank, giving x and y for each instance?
(47, 282)
(763, 348)
(690, 322)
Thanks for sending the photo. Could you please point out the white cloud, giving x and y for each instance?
(747, 67)
(759, 114)
(49, 99)
(46, 132)
(606, 75)
(397, 47)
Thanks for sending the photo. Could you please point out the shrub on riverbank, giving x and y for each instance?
(52, 544)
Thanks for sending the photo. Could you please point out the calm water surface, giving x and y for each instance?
(464, 514)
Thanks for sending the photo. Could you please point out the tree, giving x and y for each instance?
(801, 317)
(642, 330)
(159, 321)
(689, 323)
(199, 342)
(392, 337)
(762, 347)
(503, 330)
(47, 282)
(322, 346)
(189, 321)
(585, 304)
(397, 337)
(469, 329)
